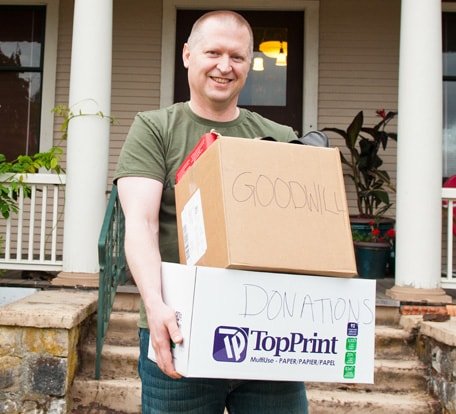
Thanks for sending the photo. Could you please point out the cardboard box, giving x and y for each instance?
(254, 325)
(252, 204)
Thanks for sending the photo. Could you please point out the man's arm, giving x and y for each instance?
(140, 198)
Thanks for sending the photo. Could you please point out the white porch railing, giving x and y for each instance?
(31, 239)
(449, 200)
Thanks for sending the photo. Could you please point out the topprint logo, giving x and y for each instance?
(230, 344)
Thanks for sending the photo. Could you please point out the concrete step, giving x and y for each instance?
(117, 361)
(127, 299)
(120, 396)
(387, 315)
(122, 329)
(124, 396)
(394, 343)
(389, 376)
(362, 402)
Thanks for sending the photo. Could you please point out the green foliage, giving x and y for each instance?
(13, 176)
(12, 172)
(372, 184)
(67, 114)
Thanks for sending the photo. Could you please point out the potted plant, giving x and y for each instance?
(373, 251)
(372, 183)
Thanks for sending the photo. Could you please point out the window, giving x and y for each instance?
(21, 72)
(449, 94)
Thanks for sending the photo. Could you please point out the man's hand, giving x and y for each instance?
(163, 329)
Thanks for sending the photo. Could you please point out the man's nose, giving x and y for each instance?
(224, 64)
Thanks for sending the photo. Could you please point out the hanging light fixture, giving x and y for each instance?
(281, 59)
(272, 48)
(258, 64)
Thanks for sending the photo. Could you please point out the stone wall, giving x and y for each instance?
(441, 359)
(39, 338)
(436, 347)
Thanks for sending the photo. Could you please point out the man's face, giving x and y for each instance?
(218, 62)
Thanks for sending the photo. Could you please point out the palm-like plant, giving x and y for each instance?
(372, 184)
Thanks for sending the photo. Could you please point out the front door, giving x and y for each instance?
(274, 87)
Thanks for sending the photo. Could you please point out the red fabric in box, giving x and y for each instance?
(203, 144)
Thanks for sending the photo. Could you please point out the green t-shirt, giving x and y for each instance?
(159, 141)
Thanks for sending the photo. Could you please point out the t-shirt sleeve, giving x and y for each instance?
(143, 153)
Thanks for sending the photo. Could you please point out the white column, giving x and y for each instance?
(88, 136)
(419, 154)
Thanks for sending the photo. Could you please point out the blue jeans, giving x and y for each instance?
(161, 394)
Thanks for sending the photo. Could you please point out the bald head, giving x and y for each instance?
(223, 17)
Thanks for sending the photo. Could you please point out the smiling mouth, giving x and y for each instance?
(223, 81)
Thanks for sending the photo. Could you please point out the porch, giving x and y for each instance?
(31, 240)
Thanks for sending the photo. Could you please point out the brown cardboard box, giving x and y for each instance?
(271, 206)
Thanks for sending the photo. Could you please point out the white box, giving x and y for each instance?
(256, 325)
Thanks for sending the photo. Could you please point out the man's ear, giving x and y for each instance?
(186, 55)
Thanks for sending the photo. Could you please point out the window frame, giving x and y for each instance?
(447, 8)
(49, 59)
(310, 41)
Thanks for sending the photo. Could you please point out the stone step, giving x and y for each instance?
(394, 343)
(122, 329)
(127, 299)
(121, 395)
(389, 376)
(361, 402)
(116, 361)
(387, 315)
(124, 396)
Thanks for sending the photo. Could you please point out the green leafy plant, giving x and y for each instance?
(372, 183)
(67, 114)
(12, 173)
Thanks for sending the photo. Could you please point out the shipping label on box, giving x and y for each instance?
(258, 325)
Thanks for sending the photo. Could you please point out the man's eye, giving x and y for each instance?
(238, 59)
(211, 53)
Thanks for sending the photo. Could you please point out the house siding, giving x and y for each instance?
(135, 66)
(358, 68)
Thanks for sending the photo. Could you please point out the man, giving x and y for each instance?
(217, 56)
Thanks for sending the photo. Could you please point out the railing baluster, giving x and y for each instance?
(20, 224)
(449, 201)
(31, 238)
(450, 242)
(8, 236)
(41, 252)
(43, 222)
(55, 215)
(112, 268)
